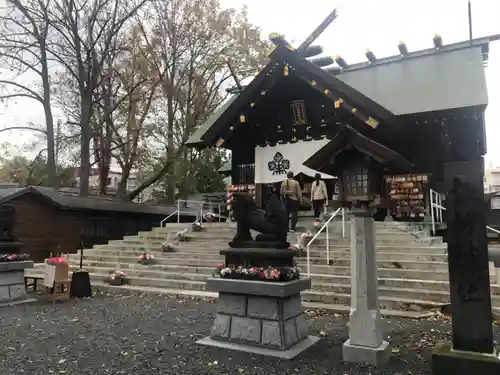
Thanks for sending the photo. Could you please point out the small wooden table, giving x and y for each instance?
(59, 292)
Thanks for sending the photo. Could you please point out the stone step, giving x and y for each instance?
(381, 272)
(341, 309)
(390, 239)
(201, 273)
(217, 246)
(315, 269)
(214, 259)
(391, 303)
(408, 293)
(334, 253)
(321, 290)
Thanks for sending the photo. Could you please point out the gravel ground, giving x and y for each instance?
(142, 335)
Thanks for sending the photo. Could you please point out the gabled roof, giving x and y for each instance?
(423, 81)
(195, 139)
(226, 168)
(265, 80)
(82, 203)
(349, 137)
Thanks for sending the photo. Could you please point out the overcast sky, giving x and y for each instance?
(361, 24)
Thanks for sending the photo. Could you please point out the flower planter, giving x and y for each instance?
(147, 261)
(117, 281)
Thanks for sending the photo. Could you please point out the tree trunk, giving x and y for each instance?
(85, 146)
(49, 121)
(171, 180)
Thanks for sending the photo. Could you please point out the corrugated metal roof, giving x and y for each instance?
(84, 203)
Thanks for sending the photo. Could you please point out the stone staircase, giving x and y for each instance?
(412, 267)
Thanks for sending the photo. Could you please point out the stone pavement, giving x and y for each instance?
(143, 335)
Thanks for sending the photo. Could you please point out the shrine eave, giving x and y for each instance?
(349, 137)
(310, 72)
(208, 133)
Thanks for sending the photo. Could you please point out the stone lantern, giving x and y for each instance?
(360, 162)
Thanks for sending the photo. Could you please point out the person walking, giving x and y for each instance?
(292, 196)
(319, 196)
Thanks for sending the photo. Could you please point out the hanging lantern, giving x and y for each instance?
(285, 71)
(242, 118)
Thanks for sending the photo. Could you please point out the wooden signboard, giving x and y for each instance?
(407, 195)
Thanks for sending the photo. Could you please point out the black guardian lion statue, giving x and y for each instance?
(272, 223)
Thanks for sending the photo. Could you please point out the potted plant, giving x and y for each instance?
(182, 236)
(268, 274)
(168, 247)
(146, 258)
(197, 226)
(117, 278)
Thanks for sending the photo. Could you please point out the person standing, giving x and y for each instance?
(319, 196)
(292, 196)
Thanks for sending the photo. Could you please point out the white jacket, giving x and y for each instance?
(319, 192)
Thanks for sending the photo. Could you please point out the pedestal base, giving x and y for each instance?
(284, 354)
(377, 356)
(260, 317)
(12, 287)
(445, 362)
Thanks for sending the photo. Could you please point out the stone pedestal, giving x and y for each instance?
(365, 344)
(12, 288)
(260, 317)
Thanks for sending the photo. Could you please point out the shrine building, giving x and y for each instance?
(409, 120)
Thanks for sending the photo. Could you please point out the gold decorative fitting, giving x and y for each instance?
(327, 92)
(354, 110)
(219, 142)
(257, 73)
(285, 71)
(313, 83)
(252, 105)
(274, 35)
(372, 122)
(337, 103)
(263, 92)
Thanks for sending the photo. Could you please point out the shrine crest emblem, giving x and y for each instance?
(279, 165)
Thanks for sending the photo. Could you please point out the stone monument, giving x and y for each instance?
(471, 350)
(12, 263)
(366, 343)
(259, 308)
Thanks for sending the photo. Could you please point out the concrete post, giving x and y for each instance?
(365, 344)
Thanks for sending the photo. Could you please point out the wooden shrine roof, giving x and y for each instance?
(349, 137)
(265, 80)
(427, 80)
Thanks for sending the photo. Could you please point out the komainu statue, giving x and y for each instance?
(272, 223)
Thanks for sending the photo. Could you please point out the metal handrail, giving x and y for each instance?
(201, 203)
(168, 217)
(436, 202)
(493, 229)
(308, 259)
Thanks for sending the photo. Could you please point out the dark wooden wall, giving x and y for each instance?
(44, 228)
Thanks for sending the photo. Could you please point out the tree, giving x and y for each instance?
(24, 32)
(188, 43)
(20, 170)
(85, 35)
